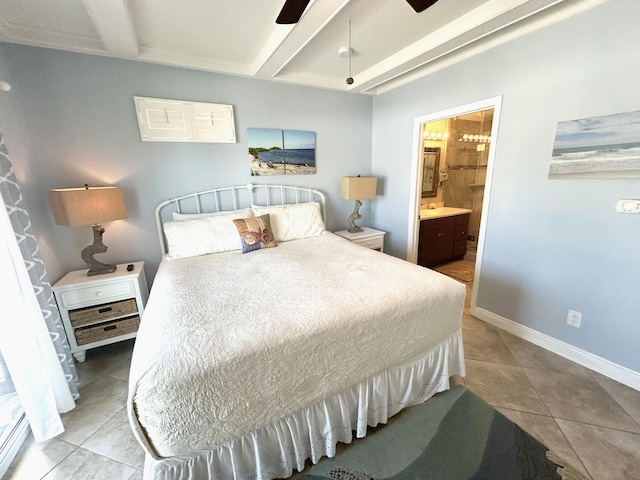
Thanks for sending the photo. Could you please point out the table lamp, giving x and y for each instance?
(357, 188)
(89, 206)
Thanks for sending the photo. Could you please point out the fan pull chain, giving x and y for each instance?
(350, 78)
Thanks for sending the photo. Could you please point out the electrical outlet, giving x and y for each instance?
(574, 318)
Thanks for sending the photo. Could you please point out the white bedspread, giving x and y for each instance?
(230, 343)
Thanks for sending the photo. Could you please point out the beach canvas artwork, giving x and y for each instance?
(281, 152)
(597, 147)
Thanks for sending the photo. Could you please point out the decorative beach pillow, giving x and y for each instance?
(290, 222)
(255, 233)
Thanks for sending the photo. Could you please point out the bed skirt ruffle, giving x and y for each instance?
(276, 450)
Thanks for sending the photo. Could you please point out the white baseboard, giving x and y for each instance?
(601, 365)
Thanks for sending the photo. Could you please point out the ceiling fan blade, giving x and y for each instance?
(421, 5)
(292, 11)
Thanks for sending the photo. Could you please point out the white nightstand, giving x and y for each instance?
(101, 309)
(369, 237)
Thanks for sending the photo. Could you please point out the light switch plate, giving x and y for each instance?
(628, 206)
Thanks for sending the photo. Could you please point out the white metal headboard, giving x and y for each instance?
(234, 198)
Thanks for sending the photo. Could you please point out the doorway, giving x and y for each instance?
(466, 136)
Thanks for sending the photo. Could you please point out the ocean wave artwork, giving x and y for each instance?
(597, 147)
(281, 152)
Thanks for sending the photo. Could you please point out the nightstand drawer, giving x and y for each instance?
(372, 243)
(368, 238)
(107, 330)
(105, 311)
(103, 293)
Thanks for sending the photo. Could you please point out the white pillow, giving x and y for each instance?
(246, 213)
(290, 222)
(203, 235)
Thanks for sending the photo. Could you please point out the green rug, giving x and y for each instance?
(453, 436)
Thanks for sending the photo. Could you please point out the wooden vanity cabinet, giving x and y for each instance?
(442, 239)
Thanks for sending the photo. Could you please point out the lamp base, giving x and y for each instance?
(355, 216)
(96, 267)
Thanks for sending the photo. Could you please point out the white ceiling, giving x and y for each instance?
(391, 44)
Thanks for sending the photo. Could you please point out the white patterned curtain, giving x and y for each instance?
(32, 337)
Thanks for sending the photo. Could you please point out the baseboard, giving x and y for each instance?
(601, 365)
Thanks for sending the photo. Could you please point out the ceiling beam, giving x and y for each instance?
(524, 19)
(114, 23)
(284, 44)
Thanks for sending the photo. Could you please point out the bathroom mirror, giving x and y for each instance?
(431, 161)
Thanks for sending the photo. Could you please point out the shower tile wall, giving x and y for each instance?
(467, 168)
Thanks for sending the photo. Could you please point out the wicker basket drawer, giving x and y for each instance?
(105, 311)
(106, 330)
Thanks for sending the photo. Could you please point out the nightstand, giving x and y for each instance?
(369, 237)
(101, 309)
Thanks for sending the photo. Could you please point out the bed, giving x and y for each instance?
(252, 359)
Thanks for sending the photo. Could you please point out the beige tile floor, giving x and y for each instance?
(589, 420)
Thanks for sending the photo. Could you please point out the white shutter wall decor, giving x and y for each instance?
(162, 120)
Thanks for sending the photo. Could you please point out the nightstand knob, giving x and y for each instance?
(98, 293)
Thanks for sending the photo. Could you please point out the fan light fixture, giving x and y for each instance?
(292, 10)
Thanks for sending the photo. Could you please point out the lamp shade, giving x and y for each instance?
(358, 188)
(87, 205)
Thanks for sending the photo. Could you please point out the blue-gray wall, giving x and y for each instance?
(551, 245)
(70, 120)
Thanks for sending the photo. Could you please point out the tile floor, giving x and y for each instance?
(591, 421)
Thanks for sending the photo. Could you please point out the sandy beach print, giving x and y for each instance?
(281, 152)
(597, 147)
(259, 167)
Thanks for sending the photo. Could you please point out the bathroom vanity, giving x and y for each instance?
(443, 235)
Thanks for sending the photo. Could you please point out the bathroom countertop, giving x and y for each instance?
(430, 213)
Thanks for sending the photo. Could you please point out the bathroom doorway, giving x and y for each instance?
(465, 138)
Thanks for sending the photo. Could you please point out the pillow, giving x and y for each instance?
(243, 213)
(290, 222)
(203, 235)
(255, 233)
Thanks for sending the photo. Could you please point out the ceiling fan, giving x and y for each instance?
(293, 9)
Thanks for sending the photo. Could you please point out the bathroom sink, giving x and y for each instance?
(428, 213)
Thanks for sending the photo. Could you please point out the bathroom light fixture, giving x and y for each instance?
(474, 137)
(357, 188)
(428, 135)
(89, 206)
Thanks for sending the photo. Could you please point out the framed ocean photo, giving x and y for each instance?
(598, 147)
(281, 152)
